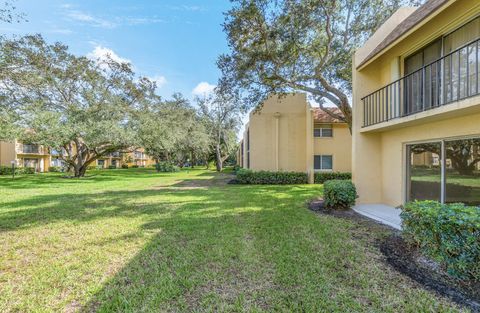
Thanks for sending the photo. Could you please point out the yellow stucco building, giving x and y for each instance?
(416, 107)
(41, 158)
(287, 134)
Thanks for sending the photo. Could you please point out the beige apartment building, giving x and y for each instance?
(41, 158)
(287, 134)
(416, 107)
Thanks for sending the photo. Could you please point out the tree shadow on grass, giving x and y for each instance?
(46, 180)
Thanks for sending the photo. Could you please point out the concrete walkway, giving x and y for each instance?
(382, 213)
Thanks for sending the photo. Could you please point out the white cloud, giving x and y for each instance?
(186, 8)
(203, 89)
(62, 31)
(90, 19)
(102, 53)
(143, 20)
(159, 80)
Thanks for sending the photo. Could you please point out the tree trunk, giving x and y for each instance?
(218, 159)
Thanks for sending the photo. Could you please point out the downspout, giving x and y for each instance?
(277, 115)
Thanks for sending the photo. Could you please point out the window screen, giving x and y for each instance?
(323, 162)
(323, 131)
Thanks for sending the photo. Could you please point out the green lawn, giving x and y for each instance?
(134, 240)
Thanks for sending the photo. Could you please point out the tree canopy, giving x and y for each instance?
(69, 103)
(299, 45)
(221, 114)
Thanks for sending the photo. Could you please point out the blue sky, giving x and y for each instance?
(174, 42)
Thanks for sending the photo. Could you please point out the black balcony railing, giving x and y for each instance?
(451, 78)
(30, 149)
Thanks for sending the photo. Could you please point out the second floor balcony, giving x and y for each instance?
(453, 77)
(30, 149)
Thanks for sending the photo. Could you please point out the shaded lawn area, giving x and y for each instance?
(134, 240)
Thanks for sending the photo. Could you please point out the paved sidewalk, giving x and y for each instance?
(382, 213)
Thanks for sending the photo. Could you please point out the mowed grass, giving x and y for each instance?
(138, 241)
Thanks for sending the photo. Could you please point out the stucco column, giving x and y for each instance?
(277, 115)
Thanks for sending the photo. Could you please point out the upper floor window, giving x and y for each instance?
(443, 46)
(323, 131)
(29, 148)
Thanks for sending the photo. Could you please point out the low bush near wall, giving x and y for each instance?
(55, 169)
(322, 177)
(5, 170)
(245, 176)
(135, 166)
(166, 167)
(27, 170)
(112, 167)
(124, 165)
(448, 233)
(339, 194)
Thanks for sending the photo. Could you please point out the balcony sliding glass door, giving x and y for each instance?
(455, 179)
(444, 71)
(424, 172)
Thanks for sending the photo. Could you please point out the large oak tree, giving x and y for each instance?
(69, 103)
(280, 46)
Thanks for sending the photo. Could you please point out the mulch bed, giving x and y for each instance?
(409, 261)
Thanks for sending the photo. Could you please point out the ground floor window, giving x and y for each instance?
(323, 162)
(446, 171)
(30, 163)
(101, 163)
(58, 162)
(114, 163)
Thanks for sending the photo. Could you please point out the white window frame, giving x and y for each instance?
(321, 157)
(406, 163)
(321, 128)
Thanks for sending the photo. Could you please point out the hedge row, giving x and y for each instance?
(7, 170)
(322, 177)
(245, 176)
(448, 233)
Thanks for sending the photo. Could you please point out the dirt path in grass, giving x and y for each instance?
(217, 180)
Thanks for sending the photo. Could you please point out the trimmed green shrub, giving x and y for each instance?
(124, 165)
(245, 176)
(166, 167)
(448, 233)
(135, 166)
(112, 167)
(28, 170)
(339, 194)
(55, 169)
(322, 177)
(7, 170)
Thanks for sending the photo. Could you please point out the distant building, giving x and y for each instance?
(287, 134)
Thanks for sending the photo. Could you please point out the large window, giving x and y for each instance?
(58, 162)
(443, 81)
(323, 131)
(31, 163)
(425, 175)
(323, 162)
(454, 179)
(462, 171)
(30, 148)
